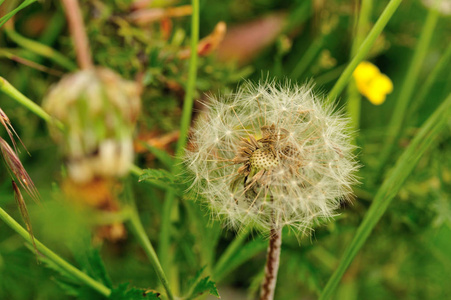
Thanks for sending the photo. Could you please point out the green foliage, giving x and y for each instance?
(402, 208)
(123, 292)
(200, 285)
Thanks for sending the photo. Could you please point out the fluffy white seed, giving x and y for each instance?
(299, 173)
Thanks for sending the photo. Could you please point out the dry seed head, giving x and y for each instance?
(271, 155)
(99, 110)
(18, 171)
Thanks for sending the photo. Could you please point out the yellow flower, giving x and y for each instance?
(371, 83)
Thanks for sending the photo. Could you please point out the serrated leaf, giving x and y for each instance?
(122, 292)
(91, 262)
(205, 285)
(200, 286)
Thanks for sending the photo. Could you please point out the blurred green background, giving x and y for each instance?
(408, 255)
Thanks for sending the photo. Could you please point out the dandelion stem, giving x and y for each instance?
(364, 49)
(426, 136)
(407, 89)
(84, 278)
(78, 32)
(272, 265)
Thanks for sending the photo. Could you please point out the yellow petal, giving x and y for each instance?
(378, 89)
(365, 71)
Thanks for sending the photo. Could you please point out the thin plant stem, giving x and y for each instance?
(143, 239)
(441, 65)
(164, 241)
(78, 32)
(426, 136)
(353, 104)
(29, 63)
(330, 75)
(82, 277)
(40, 49)
(363, 49)
(272, 265)
(230, 252)
(192, 75)
(308, 57)
(407, 89)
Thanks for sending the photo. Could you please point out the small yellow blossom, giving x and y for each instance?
(371, 83)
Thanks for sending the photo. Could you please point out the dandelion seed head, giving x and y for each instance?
(283, 157)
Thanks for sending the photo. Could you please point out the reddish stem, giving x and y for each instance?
(272, 265)
(78, 32)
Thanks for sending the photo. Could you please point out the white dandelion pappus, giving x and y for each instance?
(271, 155)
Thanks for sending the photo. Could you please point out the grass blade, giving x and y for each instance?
(364, 49)
(82, 277)
(395, 127)
(9, 15)
(390, 187)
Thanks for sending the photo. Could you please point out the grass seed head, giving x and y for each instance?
(17, 170)
(271, 155)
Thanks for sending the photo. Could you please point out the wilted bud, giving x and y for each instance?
(99, 110)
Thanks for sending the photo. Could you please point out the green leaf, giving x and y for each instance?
(390, 188)
(92, 264)
(200, 286)
(205, 285)
(122, 292)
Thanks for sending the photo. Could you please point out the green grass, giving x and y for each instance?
(397, 230)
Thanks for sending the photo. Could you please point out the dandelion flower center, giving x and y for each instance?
(263, 158)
